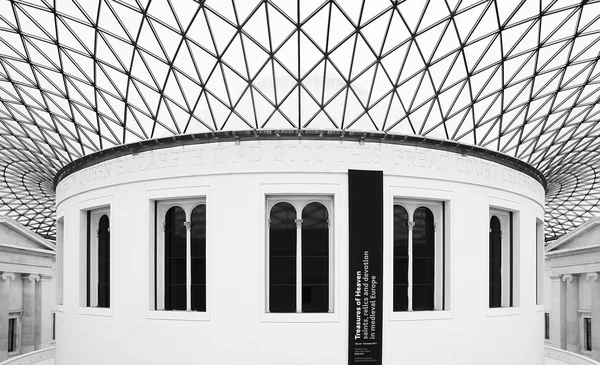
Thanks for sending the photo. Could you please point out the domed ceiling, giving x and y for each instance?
(517, 77)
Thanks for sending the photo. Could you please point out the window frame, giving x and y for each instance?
(174, 193)
(338, 230)
(299, 202)
(508, 277)
(18, 317)
(103, 203)
(392, 194)
(162, 207)
(94, 215)
(53, 316)
(495, 204)
(547, 327)
(437, 209)
(583, 315)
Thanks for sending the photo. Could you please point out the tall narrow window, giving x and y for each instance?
(299, 266)
(501, 259)
(587, 333)
(104, 262)
(53, 326)
(495, 263)
(97, 253)
(180, 256)
(539, 262)
(198, 259)
(12, 335)
(546, 326)
(175, 259)
(315, 258)
(418, 272)
(400, 258)
(282, 258)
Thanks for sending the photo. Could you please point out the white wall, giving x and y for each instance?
(237, 331)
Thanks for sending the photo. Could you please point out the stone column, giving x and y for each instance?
(38, 310)
(28, 323)
(558, 316)
(595, 284)
(572, 281)
(4, 304)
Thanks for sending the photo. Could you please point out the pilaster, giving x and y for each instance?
(5, 279)
(558, 316)
(39, 292)
(28, 323)
(595, 289)
(572, 281)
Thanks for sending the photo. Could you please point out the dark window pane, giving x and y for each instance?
(282, 298)
(198, 259)
(423, 260)
(12, 343)
(587, 328)
(198, 297)
(282, 258)
(547, 326)
(422, 297)
(175, 259)
(175, 297)
(315, 270)
(423, 269)
(400, 258)
(315, 258)
(54, 326)
(495, 263)
(104, 262)
(282, 270)
(315, 298)
(400, 297)
(401, 270)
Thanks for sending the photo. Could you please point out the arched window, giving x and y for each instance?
(502, 257)
(175, 259)
(198, 259)
(400, 258)
(97, 254)
(423, 241)
(495, 262)
(315, 258)
(104, 262)
(282, 258)
(180, 281)
(299, 269)
(418, 276)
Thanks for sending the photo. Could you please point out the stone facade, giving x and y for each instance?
(27, 263)
(573, 289)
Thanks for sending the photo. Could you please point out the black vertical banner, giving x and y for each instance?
(365, 205)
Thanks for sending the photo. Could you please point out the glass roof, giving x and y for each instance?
(518, 77)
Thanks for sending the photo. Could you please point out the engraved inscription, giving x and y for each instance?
(395, 159)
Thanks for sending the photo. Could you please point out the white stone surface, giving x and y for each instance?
(235, 181)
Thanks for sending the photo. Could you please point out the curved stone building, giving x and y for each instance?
(325, 182)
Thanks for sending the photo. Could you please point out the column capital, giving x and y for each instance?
(31, 277)
(8, 276)
(570, 277)
(591, 276)
(45, 277)
(556, 277)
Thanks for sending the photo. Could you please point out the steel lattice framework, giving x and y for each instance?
(517, 77)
